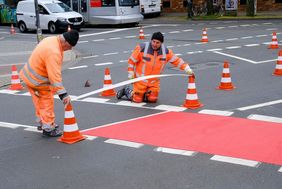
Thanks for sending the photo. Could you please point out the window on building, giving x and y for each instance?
(166, 3)
(243, 2)
(278, 1)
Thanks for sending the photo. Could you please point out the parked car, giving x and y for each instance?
(54, 15)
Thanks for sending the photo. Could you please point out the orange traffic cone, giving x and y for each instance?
(278, 67)
(15, 80)
(192, 101)
(71, 133)
(274, 42)
(141, 33)
(108, 83)
(226, 83)
(69, 28)
(12, 30)
(205, 36)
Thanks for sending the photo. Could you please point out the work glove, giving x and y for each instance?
(189, 71)
(66, 100)
(130, 75)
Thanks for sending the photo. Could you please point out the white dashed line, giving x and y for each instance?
(231, 39)
(124, 143)
(187, 30)
(267, 23)
(178, 54)
(265, 118)
(170, 108)
(175, 151)
(214, 50)
(252, 45)
(216, 112)
(247, 37)
(171, 46)
(200, 43)
(132, 36)
(82, 42)
(245, 25)
(103, 64)
(216, 41)
(114, 38)
(174, 32)
(260, 105)
(95, 40)
(123, 60)
(271, 29)
(233, 26)
(194, 52)
(6, 91)
(219, 28)
(233, 47)
(107, 54)
(93, 56)
(237, 161)
(261, 35)
(185, 45)
(77, 67)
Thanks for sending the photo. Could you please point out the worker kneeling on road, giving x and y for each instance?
(149, 58)
(42, 75)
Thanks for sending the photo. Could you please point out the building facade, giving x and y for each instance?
(262, 5)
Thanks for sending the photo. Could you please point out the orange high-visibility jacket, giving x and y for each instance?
(145, 61)
(43, 70)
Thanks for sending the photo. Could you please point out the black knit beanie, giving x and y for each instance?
(71, 37)
(158, 36)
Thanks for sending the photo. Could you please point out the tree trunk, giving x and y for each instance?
(250, 7)
(210, 7)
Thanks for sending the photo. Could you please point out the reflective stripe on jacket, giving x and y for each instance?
(44, 66)
(145, 61)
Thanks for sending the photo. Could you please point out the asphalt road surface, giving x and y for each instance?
(233, 141)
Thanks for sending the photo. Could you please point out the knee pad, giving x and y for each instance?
(137, 98)
(153, 97)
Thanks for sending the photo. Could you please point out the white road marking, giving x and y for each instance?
(170, 108)
(132, 36)
(175, 151)
(92, 56)
(124, 143)
(247, 37)
(236, 57)
(95, 100)
(267, 23)
(231, 39)
(171, 46)
(14, 125)
(107, 54)
(78, 67)
(129, 103)
(82, 42)
(252, 45)
(96, 40)
(245, 25)
(32, 129)
(260, 105)
(103, 64)
(216, 112)
(200, 43)
(178, 54)
(265, 118)
(237, 161)
(194, 52)
(261, 35)
(216, 41)
(280, 170)
(233, 26)
(214, 50)
(20, 63)
(114, 38)
(219, 28)
(185, 45)
(187, 30)
(174, 32)
(7, 91)
(123, 60)
(233, 47)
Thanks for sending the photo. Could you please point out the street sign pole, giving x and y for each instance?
(38, 29)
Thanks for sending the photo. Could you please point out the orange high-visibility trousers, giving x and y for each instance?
(140, 88)
(43, 101)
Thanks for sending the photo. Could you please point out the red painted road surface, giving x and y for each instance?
(228, 136)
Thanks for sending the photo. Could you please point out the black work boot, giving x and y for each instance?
(52, 133)
(39, 128)
(121, 93)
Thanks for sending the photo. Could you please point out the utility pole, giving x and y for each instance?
(38, 29)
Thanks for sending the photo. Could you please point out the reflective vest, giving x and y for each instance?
(146, 61)
(43, 70)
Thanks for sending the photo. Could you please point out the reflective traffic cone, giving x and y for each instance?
(15, 80)
(192, 101)
(141, 33)
(71, 133)
(278, 67)
(69, 28)
(12, 30)
(108, 83)
(205, 36)
(274, 42)
(226, 83)
(87, 83)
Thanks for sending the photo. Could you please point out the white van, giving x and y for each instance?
(150, 7)
(53, 14)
